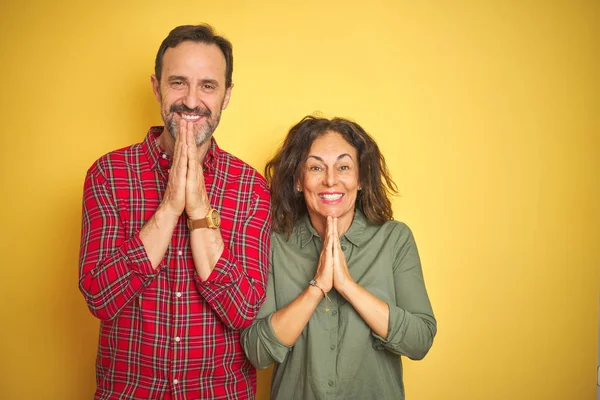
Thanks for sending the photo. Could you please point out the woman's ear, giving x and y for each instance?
(298, 186)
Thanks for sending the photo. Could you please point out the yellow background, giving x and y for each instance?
(487, 113)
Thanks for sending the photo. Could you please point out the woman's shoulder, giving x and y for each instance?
(391, 228)
(282, 239)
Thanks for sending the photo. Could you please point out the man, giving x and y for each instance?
(175, 241)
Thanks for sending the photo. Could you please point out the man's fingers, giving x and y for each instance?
(183, 128)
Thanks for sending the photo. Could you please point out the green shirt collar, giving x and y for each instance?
(306, 233)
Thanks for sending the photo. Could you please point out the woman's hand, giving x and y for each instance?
(324, 275)
(341, 275)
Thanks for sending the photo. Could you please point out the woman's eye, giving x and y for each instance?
(315, 168)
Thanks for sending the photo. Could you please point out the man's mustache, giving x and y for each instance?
(182, 108)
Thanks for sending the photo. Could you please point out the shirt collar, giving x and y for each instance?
(153, 151)
(210, 160)
(158, 158)
(306, 232)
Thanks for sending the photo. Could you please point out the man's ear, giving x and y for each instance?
(156, 87)
(227, 97)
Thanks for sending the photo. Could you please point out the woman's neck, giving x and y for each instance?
(320, 223)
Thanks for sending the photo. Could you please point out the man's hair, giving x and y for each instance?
(199, 34)
(287, 166)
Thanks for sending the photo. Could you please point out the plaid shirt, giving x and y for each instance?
(165, 333)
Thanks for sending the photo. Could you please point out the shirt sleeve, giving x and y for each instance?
(113, 268)
(412, 325)
(236, 287)
(261, 345)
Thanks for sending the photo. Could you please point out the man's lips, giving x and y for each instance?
(190, 117)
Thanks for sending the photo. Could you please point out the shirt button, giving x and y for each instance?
(180, 253)
(178, 294)
(343, 247)
(334, 312)
(332, 347)
(175, 381)
(164, 155)
(178, 339)
(330, 383)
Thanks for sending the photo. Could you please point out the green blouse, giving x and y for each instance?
(337, 356)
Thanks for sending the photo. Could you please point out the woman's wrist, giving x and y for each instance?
(347, 288)
(315, 283)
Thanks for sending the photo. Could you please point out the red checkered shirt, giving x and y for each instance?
(165, 333)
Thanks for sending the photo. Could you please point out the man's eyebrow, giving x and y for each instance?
(177, 78)
(211, 81)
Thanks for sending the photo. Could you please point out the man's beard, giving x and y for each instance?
(203, 132)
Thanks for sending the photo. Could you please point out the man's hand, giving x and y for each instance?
(196, 199)
(174, 199)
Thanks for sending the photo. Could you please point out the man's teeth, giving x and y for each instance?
(190, 117)
(331, 196)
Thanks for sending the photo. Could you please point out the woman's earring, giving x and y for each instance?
(298, 189)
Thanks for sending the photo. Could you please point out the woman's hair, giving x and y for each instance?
(286, 168)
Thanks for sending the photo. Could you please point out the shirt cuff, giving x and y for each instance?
(222, 276)
(277, 350)
(136, 257)
(224, 270)
(394, 333)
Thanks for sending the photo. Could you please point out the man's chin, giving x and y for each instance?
(201, 138)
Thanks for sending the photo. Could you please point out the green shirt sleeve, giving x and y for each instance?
(261, 345)
(412, 326)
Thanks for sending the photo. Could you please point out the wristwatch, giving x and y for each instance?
(211, 221)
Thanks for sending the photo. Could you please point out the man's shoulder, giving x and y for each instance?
(237, 168)
(123, 158)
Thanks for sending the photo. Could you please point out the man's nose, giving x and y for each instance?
(192, 98)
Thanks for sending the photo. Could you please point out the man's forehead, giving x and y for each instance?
(194, 54)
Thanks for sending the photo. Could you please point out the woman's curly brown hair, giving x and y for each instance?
(285, 169)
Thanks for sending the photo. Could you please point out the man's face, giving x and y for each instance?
(192, 87)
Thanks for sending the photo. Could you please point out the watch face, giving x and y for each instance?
(216, 218)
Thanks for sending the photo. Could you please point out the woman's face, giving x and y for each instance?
(330, 181)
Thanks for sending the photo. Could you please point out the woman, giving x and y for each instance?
(346, 295)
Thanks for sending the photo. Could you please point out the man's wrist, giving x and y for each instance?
(199, 213)
(165, 214)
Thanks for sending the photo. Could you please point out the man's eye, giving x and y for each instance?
(209, 87)
(176, 83)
